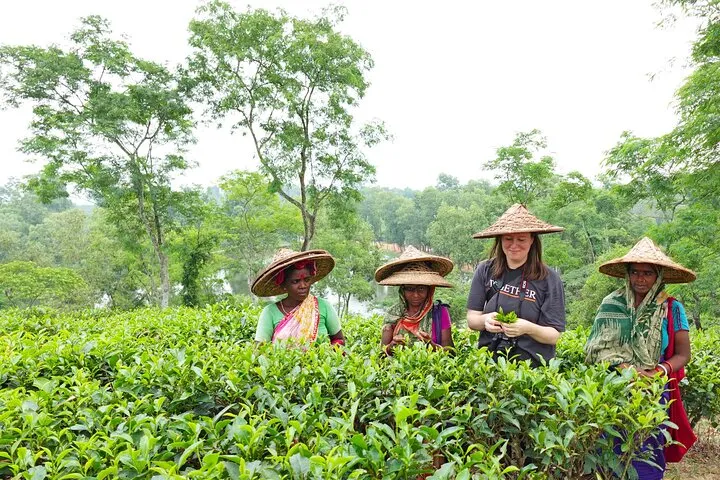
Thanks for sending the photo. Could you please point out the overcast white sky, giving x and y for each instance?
(453, 80)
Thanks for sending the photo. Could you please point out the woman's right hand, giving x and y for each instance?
(492, 325)
(397, 340)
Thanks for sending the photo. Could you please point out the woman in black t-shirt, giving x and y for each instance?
(516, 280)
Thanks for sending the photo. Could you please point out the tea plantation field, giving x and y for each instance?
(185, 393)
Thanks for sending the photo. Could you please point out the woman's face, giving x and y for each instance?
(516, 247)
(297, 284)
(415, 295)
(642, 277)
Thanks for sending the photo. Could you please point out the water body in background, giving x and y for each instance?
(368, 308)
(238, 285)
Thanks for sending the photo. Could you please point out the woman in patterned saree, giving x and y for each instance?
(640, 326)
(415, 317)
(300, 316)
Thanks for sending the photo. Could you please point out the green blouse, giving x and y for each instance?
(271, 316)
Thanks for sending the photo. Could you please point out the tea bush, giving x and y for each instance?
(164, 394)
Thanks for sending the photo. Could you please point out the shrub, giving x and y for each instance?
(173, 393)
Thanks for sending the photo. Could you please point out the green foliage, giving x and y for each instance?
(185, 392)
(692, 239)
(20, 214)
(24, 284)
(196, 254)
(292, 84)
(389, 213)
(701, 393)
(440, 218)
(457, 296)
(572, 188)
(503, 317)
(350, 240)
(450, 234)
(101, 116)
(522, 178)
(447, 182)
(679, 171)
(253, 222)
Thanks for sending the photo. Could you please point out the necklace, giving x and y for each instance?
(282, 308)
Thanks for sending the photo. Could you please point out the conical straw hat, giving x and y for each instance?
(645, 251)
(264, 285)
(517, 219)
(414, 267)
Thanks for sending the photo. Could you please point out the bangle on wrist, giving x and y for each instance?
(663, 368)
(668, 366)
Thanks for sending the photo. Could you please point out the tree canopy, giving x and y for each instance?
(291, 84)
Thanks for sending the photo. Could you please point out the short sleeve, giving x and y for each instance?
(332, 322)
(680, 320)
(265, 327)
(552, 310)
(476, 298)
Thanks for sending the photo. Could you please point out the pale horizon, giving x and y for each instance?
(452, 81)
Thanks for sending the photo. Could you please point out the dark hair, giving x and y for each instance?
(289, 269)
(534, 267)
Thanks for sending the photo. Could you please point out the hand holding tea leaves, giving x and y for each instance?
(503, 317)
(511, 324)
(397, 340)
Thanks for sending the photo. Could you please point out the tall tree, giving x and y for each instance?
(291, 84)
(681, 167)
(679, 171)
(108, 123)
(522, 177)
(652, 169)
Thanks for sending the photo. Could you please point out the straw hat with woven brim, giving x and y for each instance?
(517, 219)
(645, 251)
(414, 267)
(264, 285)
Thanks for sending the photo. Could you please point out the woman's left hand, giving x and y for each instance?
(425, 337)
(518, 328)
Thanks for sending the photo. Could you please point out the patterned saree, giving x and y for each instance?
(301, 323)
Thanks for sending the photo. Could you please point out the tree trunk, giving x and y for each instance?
(156, 238)
(589, 239)
(696, 312)
(347, 303)
(309, 226)
(164, 279)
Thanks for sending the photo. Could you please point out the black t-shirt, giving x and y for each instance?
(543, 303)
